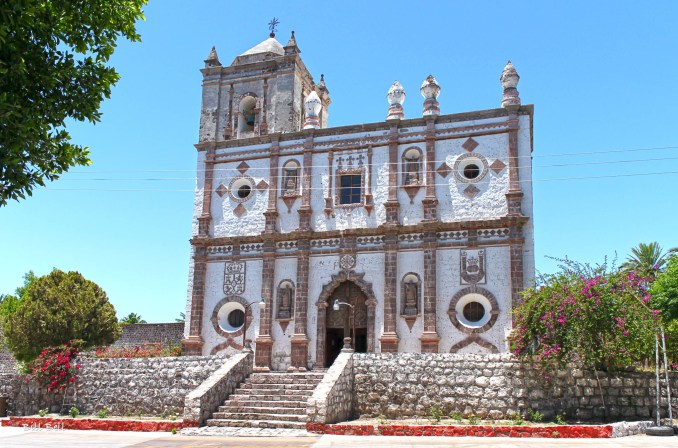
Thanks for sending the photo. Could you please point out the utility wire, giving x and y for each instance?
(436, 184)
(387, 163)
(560, 165)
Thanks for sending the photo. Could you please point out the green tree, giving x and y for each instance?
(665, 289)
(53, 67)
(10, 303)
(647, 259)
(57, 308)
(132, 318)
(181, 319)
(587, 316)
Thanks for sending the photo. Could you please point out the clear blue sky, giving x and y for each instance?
(603, 76)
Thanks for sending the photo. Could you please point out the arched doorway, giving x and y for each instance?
(339, 323)
(359, 292)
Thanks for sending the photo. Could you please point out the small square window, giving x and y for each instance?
(350, 191)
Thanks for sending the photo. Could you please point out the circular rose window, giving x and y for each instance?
(470, 168)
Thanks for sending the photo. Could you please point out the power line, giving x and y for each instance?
(436, 184)
(387, 163)
(560, 165)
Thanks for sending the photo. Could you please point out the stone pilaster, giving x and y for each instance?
(264, 342)
(389, 339)
(271, 213)
(300, 338)
(391, 205)
(430, 202)
(194, 342)
(515, 194)
(305, 210)
(516, 262)
(429, 338)
(205, 218)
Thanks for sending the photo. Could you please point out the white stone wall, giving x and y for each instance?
(285, 269)
(214, 293)
(449, 283)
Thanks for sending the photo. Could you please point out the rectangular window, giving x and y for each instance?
(350, 189)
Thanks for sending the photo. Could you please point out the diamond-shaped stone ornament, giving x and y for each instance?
(470, 144)
(239, 210)
(222, 190)
(471, 191)
(243, 167)
(262, 186)
(497, 166)
(444, 170)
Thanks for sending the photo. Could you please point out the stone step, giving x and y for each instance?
(259, 416)
(301, 386)
(288, 395)
(283, 392)
(235, 409)
(256, 423)
(264, 403)
(283, 381)
(286, 378)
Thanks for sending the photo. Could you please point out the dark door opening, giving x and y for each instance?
(334, 341)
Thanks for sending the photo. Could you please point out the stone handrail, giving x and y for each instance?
(332, 399)
(204, 399)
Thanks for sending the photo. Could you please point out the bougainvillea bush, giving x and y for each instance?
(145, 351)
(55, 368)
(586, 316)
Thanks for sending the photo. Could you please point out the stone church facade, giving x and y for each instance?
(406, 235)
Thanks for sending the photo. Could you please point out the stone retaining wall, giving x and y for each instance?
(149, 386)
(140, 334)
(333, 399)
(207, 397)
(495, 387)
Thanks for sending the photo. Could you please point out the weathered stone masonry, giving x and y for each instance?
(495, 387)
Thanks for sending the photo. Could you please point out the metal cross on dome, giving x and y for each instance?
(273, 24)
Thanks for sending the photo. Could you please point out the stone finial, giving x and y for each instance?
(509, 82)
(212, 59)
(430, 90)
(291, 47)
(312, 106)
(396, 98)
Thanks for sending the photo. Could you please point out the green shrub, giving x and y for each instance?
(43, 412)
(559, 420)
(102, 413)
(456, 416)
(74, 412)
(435, 413)
(473, 419)
(535, 416)
(516, 419)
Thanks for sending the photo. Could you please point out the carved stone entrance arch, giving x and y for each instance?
(323, 302)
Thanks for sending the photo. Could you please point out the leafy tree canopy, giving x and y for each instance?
(587, 315)
(53, 67)
(647, 259)
(132, 318)
(10, 303)
(57, 308)
(665, 289)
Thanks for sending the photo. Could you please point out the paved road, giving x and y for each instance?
(18, 437)
(503, 442)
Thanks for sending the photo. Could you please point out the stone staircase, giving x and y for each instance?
(269, 400)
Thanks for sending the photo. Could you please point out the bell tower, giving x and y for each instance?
(263, 91)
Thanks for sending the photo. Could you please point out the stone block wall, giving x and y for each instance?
(497, 386)
(206, 398)
(140, 334)
(333, 400)
(150, 386)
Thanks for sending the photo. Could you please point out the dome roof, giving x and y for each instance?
(270, 45)
(260, 52)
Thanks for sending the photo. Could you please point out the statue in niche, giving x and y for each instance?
(412, 171)
(411, 292)
(291, 181)
(285, 299)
